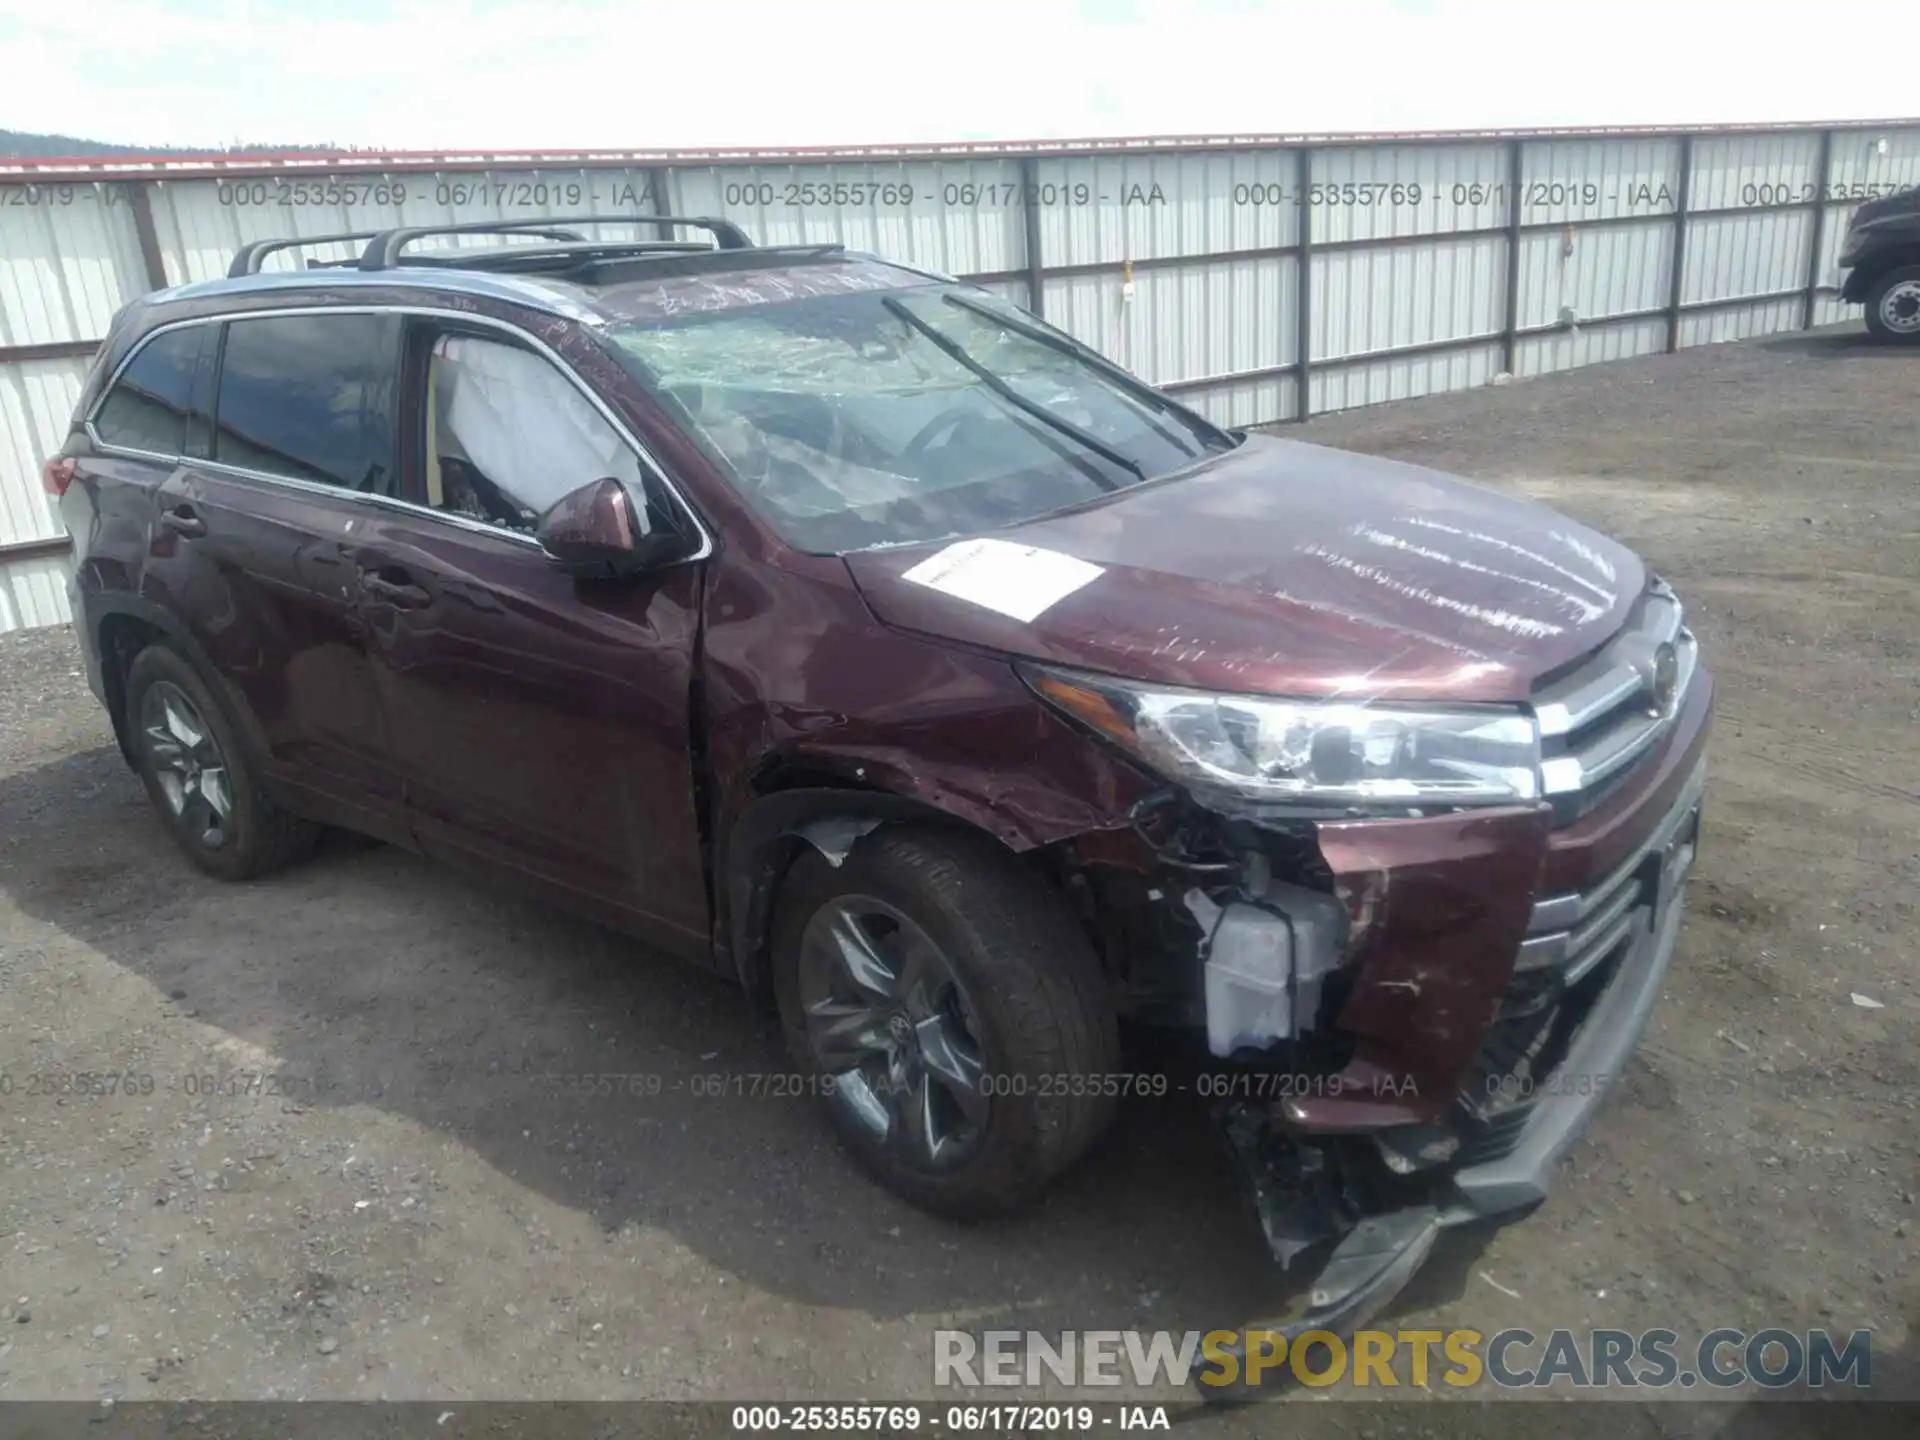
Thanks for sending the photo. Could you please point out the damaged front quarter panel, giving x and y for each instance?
(1396, 938)
(1366, 956)
(1438, 907)
(1399, 947)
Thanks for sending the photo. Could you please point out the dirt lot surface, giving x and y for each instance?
(403, 1206)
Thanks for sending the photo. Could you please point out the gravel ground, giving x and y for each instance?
(347, 1178)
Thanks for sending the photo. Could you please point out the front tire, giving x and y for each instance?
(953, 1013)
(1893, 306)
(198, 775)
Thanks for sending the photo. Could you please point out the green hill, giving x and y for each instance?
(24, 144)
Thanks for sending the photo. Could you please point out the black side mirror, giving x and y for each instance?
(593, 533)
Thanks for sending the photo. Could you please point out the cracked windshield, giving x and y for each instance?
(871, 419)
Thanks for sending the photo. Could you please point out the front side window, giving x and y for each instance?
(311, 397)
(147, 408)
(508, 434)
(880, 418)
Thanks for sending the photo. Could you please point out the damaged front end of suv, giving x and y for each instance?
(1381, 781)
(1421, 941)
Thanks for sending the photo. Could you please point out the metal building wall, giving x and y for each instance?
(1242, 273)
(64, 270)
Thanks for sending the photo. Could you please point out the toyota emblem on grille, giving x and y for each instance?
(1665, 678)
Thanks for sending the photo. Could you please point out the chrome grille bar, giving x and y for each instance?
(1569, 937)
(1598, 721)
(1561, 926)
(1614, 675)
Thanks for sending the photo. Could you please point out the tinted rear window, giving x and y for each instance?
(148, 405)
(311, 397)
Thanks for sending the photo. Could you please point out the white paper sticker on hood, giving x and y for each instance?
(1017, 580)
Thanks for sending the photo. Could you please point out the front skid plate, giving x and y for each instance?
(1370, 1266)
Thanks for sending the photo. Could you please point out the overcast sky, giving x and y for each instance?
(627, 73)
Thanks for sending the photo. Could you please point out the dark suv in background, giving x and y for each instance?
(854, 633)
(1881, 255)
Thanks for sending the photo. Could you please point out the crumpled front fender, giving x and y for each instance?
(1437, 909)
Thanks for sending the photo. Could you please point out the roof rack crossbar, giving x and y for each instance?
(248, 258)
(383, 250)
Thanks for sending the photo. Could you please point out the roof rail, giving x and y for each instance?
(568, 254)
(383, 250)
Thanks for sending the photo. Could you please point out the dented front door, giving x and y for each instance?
(541, 725)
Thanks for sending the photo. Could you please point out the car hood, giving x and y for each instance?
(1281, 568)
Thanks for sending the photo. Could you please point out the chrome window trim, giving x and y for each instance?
(379, 502)
(432, 312)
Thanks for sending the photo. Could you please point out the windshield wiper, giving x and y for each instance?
(958, 353)
(1131, 384)
(1185, 447)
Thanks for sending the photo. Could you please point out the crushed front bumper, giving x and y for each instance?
(1616, 937)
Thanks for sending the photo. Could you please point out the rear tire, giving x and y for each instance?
(198, 775)
(992, 981)
(1893, 306)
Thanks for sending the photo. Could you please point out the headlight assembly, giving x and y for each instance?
(1332, 752)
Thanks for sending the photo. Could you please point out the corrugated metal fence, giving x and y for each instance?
(1242, 273)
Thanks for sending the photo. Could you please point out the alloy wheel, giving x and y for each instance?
(187, 763)
(886, 1018)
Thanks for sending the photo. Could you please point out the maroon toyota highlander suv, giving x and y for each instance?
(855, 633)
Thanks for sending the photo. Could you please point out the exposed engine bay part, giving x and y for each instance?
(1265, 959)
(1296, 1193)
(1373, 1200)
(1308, 1200)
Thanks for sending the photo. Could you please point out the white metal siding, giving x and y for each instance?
(1734, 171)
(36, 406)
(1830, 310)
(1403, 378)
(1140, 207)
(1857, 160)
(960, 218)
(1832, 236)
(1740, 322)
(1187, 322)
(68, 260)
(33, 592)
(1736, 255)
(1620, 270)
(1405, 295)
(1213, 309)
(1247, 402)
(201, 223)
(1571, 180)
(1588, 345)
(1457, 188)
